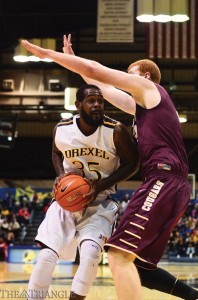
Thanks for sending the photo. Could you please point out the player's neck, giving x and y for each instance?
(85, 128)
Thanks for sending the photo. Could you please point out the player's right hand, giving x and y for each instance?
(58, 178)
(57, 182)
(67, 45)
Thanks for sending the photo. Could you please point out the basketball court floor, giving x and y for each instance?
(14, 281)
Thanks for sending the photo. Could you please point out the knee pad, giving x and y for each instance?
(90, 256)
(42, 274)
(46, 263)
(47, 255)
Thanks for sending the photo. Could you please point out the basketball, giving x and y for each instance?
(69, 193)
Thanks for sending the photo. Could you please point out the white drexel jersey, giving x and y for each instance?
(94, 155)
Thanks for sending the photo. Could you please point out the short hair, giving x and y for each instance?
(80, 94)
(147, 65)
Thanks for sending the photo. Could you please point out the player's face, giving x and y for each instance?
(92, 107)
(135, 70)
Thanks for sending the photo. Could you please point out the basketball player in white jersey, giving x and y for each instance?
(100, 149)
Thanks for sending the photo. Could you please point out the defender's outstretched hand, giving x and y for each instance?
(67, 45)
(36, 50)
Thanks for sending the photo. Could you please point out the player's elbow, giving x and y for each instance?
(133, 167)
(91, 70)
(136, 166)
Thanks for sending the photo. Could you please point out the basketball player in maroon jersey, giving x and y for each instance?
(158, 278)
(161, 200)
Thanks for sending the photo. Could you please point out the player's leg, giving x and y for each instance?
(96, 227)
(163, 281)
(42, 274)
(90, 256)
(51, 234)
(125, 274)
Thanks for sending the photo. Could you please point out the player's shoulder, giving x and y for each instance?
(109, 122)
(66, 122)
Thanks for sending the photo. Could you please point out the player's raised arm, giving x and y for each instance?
(133, 84)
(113, 95)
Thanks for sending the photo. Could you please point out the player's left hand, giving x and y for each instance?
(36, 50)
(91, 196)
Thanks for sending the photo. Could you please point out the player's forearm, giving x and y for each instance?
(124, 172)
(82, 66)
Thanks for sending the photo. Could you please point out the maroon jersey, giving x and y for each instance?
(160, 201)
(160, 136)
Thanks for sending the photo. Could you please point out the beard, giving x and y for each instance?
(93, 120)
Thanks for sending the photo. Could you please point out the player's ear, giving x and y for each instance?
(78, 104)
(147, 75)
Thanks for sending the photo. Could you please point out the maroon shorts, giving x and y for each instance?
(152, 213)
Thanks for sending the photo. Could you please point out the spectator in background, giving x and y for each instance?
(180, 248)
(34, 201)
(123, 203)
(191, 223)
(196, 198)
(195, 211)
(174, 242)
(195, 240)
(5, 211)
(16, 208)
(23, 216)
(9, 201)
(1, 219)
(190, 247)
(24, 201)
(126, 198)
(46, 202)
(6, 228)
(195, 236)
(1, 203)
(122, 206)
(15, 226)
(171, 245)
(5, 225)
(3, 249)
(6, 199)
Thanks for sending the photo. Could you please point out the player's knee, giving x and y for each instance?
(113, 256)
(90, 256)
(117, 258)
(44, 267)
(90, 249)
(47, 256)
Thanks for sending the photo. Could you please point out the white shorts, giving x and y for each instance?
(63, 231)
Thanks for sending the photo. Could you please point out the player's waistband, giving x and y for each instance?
(162, 168)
